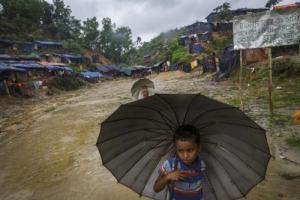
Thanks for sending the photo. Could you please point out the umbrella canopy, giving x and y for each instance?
(139, 85)
(138, 137)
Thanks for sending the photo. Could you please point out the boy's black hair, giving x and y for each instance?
(187, 132)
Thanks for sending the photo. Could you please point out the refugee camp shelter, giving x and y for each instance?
(199, 27)
(109, 70)
(91, 76)
(48, 45)
(70, 58)
(213, 16)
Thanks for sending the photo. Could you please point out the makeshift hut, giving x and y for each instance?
(48, 45)
(12, 80)
(199, 27)
(92, 77)
(229, 61)
(109, 70)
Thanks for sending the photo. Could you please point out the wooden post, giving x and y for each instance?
(270, 85)
(6, 88)
(241, 81)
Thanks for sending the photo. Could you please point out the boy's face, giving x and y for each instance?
(187, 150)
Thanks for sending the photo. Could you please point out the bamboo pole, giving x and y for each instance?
(6, 88)
(270, 85)
(241, 81)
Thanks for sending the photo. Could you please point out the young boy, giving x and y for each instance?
(183, 174)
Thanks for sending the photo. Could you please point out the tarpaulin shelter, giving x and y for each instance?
(112, 70)
(229, 60)
(207, 36)
(196, 48)
(29, 66)
(91, 76)
(128, 71)
(199, 27)
(68, 58)
(4, 67)
(173, 67)
(141, 70)
(158, 66)
(184, 40)
(44, 45)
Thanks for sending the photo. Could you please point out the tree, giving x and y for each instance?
(114, 42)
(106, 36)
(20, 17)
(271, 3)
(90, 33)
(223, 12)
(61, 20)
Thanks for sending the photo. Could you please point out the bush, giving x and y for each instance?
(286, 68)
(66, 83)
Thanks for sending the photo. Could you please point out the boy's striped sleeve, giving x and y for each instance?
(165, 169)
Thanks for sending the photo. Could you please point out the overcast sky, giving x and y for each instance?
(147, 18)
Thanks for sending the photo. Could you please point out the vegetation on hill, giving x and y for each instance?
(28, 20)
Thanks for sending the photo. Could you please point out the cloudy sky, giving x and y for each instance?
(147, 18)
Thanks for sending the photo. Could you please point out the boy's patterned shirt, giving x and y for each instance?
(191, 187)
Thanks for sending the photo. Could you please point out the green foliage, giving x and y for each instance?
(158, 48)
(90, 33)
(293, 141)
(24, 20)
(286, 68)
(179, 54)
(271, 3)
(66, 83)
(223, 12)
(115, 42)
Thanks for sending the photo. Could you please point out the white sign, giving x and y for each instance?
(267, 29)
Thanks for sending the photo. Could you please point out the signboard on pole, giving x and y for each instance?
(267, 29)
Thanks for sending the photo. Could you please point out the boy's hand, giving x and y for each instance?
(177, 175)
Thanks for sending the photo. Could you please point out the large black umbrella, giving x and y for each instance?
(137, 138)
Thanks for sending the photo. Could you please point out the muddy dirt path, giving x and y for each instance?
(47, 149)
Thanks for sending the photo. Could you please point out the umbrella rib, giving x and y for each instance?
(157, 161)
(188, 108)
(135, 130)
(147, 119)
(236, 157)
(139, 159)
(131, 148)
(212, 110)
(242, 142)
(211, 187)
(162, 116)
(239, 124)
(166, 102)
(207, 124)
(211, 154)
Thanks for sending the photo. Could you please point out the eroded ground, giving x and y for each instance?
(47, 147)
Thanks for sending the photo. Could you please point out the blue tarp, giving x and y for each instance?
(127, 70)
(28, 66)
(70, 56)
(107, 68)
(48, 42)
(89, 74)
(52, 68)
(196, 48)
(58, 68)
(67, 69)
(4, 67)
